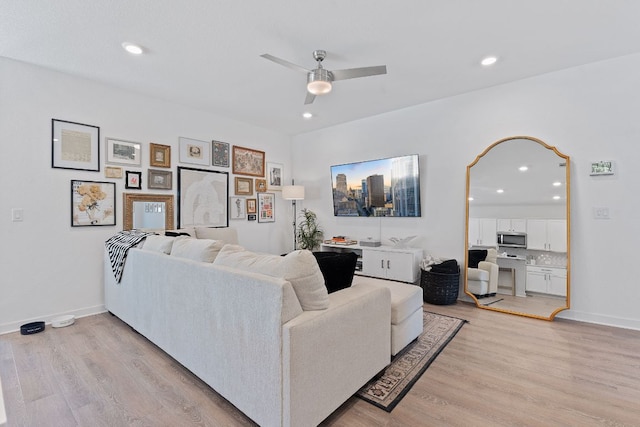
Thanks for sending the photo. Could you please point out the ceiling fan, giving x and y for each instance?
(319, 79)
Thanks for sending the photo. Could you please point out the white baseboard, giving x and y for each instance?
(7, 328)
(618, 322)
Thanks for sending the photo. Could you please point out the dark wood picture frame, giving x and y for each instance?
(247, 161)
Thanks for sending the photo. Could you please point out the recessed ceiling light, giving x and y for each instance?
(134, 49)
(307, 115)
(489, 60)
(500, 190)
(523, 168)
(556, 197)
(557, 184)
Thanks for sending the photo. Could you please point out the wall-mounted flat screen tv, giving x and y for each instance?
(383, 187)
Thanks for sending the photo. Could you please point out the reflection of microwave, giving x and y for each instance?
(512, 239)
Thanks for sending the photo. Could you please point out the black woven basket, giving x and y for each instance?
(440, 288)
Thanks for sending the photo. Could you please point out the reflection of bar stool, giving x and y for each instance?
(507, 280)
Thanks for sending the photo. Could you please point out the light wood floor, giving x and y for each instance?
(500, 370)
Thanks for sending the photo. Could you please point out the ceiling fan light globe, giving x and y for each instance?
(319, 81)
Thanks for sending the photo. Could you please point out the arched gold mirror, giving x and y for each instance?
(148, 211)
(518, 227)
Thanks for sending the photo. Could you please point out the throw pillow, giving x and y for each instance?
(300, 268)
(475, 256)
(203, 250)
(228, 234)
(446, 267)
(337, 269)
(157, 243)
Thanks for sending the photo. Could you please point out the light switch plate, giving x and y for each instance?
(17, 214)
(601, 213)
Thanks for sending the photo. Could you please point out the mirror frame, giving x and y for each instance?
(568, 219)
(130, 198)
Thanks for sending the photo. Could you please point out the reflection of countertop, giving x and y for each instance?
(515, 258)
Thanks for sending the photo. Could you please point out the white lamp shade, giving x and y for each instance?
(293, 192)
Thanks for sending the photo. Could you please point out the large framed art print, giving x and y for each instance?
(75, 146)
(202, 198)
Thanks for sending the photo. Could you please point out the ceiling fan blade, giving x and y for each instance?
(310, 98)
(285, 63)
(352, 73)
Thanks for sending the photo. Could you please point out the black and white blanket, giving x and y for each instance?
(118, 246)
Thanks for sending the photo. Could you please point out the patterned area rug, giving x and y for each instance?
(387, 390)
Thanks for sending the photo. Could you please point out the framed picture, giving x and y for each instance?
(243, 186)
(194, 151)
(123, 152)
(159, 155)
(92, 203)
(133, 180)
(248, 162)
(220, 154)
(112, 172)
(602, 168)
(159, 179)
(75, 146)
(238, 208)
(251, 206)
(261, 185)
(203, 197)
(275, 174)
(266, 207)
(251, 217)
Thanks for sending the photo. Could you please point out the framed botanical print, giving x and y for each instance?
(194, 151)
(238, 208)
(159, 179)
(247, 161)
(266, 207)
(159, 155)
(243, 186)
(274, 176)
(202, 198)
(220, 154)
(133, 180)
(92, 203)
(75, 146)
(123, 152)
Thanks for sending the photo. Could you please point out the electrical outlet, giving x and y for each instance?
(601, 213)
(17, 214)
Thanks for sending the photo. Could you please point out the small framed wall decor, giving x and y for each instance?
(112, 172)
(274, 176)
(251, 206)
(159, 155)
(133, 180)
(247, 161)
(251, 217)
(194, 151)
(261, 185)
(238, 208)
(75, 146)
(266, 207)
(220, 154)
(602, 168)
(123, 152)
(243, 186)
(92, 203)
(159, 179)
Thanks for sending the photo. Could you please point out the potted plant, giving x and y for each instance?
(309, 233)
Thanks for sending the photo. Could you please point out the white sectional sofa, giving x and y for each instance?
(248, 335)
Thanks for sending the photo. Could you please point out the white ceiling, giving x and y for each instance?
(206, 53)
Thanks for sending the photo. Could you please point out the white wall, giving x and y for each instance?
(50, 268)
(588, 112)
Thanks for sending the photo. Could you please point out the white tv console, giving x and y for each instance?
(385, 262)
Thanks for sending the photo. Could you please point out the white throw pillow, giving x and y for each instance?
(204, 250)
(300, 268)
(155, 243)
(228, 234)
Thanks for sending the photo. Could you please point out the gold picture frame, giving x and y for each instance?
(159, 155)
(243, 186)
(247, 161)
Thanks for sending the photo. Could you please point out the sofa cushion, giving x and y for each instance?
(337, 269)
(300, 268)
(204, 250)
(155, 243)
(228, 234)
(477, 274)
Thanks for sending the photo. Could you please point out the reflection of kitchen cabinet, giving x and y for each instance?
(482, 232)
(547, 280)
(385, 262)
(547, 234)
(517, 225)
(391, 263)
